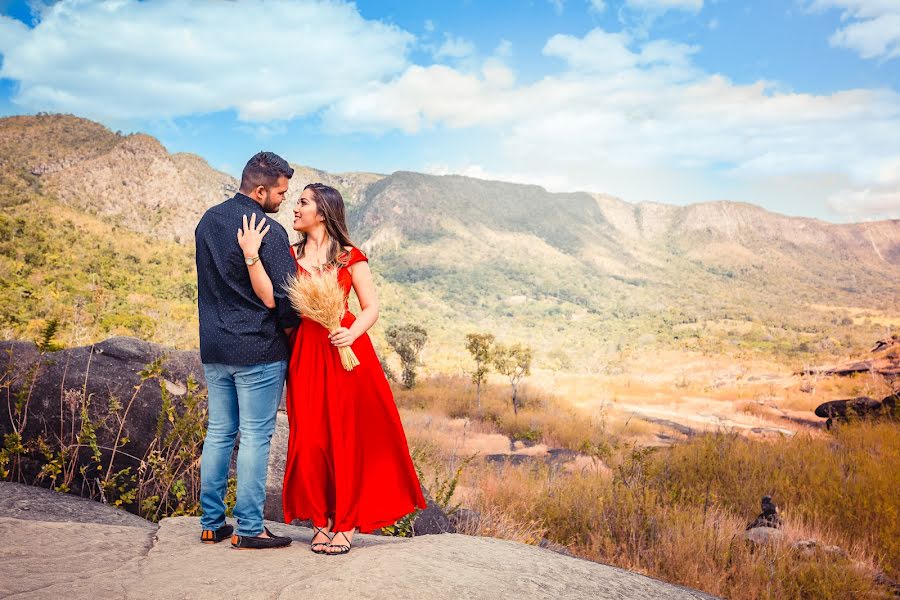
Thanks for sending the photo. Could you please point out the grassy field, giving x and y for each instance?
(675, 512)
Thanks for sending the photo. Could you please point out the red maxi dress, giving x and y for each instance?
(347, 456)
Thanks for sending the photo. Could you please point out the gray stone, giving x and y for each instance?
(75, 560)
(273, 509)
(808, 548)
(763, 535)
(432, 520)
(805, 547)
(29, 503)
(58, 545)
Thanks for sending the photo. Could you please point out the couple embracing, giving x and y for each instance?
(348, 466)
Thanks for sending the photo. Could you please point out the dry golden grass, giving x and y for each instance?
(541, 418)
(321, 298)
(677, 513)
(755, 408)
(674, 513)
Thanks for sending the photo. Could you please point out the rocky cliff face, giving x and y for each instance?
(135, 181)
(129, 180)
(352, 187)
(142, 187)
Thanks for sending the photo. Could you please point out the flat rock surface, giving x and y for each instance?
(31, 503)
(59, 558)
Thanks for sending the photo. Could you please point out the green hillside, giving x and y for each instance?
(578, 276)
(553, 269)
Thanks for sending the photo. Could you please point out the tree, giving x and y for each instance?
(407, 341)
(480, 346)
(515, 362)
(45, 342)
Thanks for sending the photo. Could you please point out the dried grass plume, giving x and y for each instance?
(320, 297)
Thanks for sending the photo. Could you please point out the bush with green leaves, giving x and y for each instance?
(514, 361)
(407, 341)
(480, 346)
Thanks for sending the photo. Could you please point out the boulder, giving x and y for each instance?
(61, 546)
(762, 536)
(273, 509)
(432, 520)
(808, 548)
(860, 407)
(885, 361)
(56, 382)
(30, 503)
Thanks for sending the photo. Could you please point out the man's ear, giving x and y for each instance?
(259, 191)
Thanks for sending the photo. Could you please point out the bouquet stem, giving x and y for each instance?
(348, 358)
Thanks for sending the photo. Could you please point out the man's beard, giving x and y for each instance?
(268, 206)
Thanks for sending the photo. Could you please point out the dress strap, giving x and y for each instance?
(356, 255)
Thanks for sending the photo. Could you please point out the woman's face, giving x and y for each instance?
(306, 214)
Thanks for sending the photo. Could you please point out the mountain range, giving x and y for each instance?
(576, 275)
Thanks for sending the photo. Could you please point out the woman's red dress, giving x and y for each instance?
(347, 455)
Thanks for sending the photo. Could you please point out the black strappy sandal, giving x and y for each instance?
(342, 548)
(318, 530)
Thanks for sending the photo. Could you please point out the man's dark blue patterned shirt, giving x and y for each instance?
(236, 328)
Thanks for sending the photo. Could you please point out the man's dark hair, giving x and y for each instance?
(264, 169)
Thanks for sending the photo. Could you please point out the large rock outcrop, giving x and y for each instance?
(58, 546)
(55, 383)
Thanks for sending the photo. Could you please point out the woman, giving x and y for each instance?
(348, 465)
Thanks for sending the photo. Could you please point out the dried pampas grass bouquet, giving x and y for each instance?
(320, 297)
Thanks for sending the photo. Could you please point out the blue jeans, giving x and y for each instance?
(245, 399)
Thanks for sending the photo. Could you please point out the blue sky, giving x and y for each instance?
(793, 105)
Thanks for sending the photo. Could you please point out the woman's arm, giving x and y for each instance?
(249, 238)
(364, 286)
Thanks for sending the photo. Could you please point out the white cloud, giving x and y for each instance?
(423, 96)
(558, 6)
(874, 28)
(619, 105)
(665, 5)
(547, 181)
(12, 33)
(429, 25)
(597, 6)
(125, 59)
(598, 51)
(503, 49)
(867, 202)
(455, 48)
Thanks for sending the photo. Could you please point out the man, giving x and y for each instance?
(244, 350)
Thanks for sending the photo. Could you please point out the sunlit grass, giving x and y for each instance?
(674, 512)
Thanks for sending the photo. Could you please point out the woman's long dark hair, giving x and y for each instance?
(329, 204)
